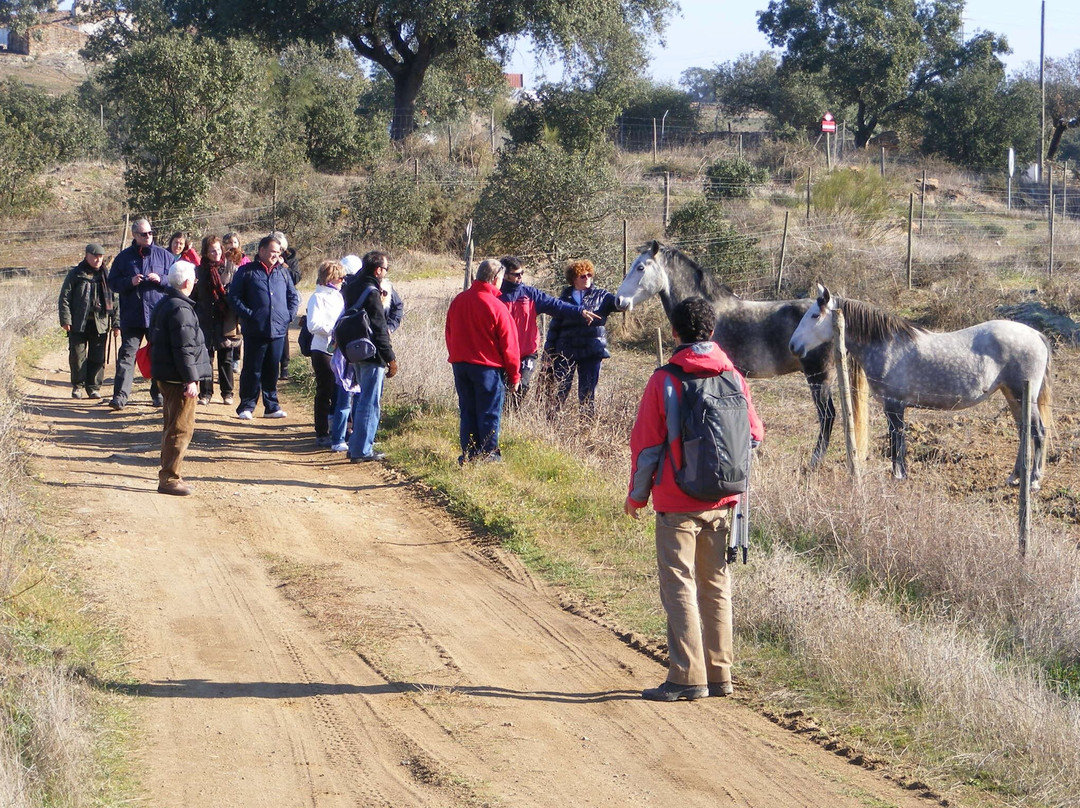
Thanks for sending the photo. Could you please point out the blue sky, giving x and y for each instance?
(712, 31)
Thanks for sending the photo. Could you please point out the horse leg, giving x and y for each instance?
(1038, 442)
(816, 368)
(894, 413)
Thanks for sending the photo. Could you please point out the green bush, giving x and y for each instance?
(862, 195)
(544, 200)
(732, 179)
(388, 210)
(37, 131)
(701, 228)
(672, 110)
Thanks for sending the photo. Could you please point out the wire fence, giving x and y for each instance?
(951, 228)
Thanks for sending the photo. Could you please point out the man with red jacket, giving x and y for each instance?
(691, 534)
(483, 345)
(525, 302)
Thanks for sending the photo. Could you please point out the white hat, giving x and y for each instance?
(352, 264)
(181, 272)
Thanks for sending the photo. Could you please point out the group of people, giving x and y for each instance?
(493, 343)
(191, 311)
(188, 308)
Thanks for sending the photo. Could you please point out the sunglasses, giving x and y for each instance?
(514, 274)
(145, 233)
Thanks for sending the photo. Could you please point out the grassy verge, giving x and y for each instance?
(63, 735)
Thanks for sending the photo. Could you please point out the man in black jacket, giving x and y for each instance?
(88, 312)
(178, 361)
(367, 404)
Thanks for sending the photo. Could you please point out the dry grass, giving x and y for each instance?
(46, 748)
(909, 621)
(946, 699)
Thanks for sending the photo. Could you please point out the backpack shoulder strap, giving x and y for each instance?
(360, 300)
(676, 371)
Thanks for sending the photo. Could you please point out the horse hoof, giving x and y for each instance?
(1013, 481)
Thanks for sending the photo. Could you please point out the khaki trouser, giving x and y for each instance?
(695, 588)
(179, 413)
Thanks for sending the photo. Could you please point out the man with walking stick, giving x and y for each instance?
(690, 449)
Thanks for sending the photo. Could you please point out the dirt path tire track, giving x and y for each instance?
(470, 685)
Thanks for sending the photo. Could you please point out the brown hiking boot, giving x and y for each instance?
(175, 488)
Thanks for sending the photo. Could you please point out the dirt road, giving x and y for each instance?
(307, 632)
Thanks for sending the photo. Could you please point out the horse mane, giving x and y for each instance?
(867, 323)
(704, 281)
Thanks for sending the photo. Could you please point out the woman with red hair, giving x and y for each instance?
(575, 345)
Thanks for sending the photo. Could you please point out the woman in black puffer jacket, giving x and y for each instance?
(575, 345)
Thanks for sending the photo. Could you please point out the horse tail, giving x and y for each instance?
(1045, 403)
(860, 409)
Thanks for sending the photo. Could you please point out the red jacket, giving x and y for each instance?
(479, 331)
(655, 443)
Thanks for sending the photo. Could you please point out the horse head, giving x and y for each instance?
(645, 278)
(815, 328)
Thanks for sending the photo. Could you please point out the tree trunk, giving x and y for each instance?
(407, 83)
(864, 126)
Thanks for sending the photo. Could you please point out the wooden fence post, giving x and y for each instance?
(625, 249)
(809, 172)
(1025, 472)
(783, 253)
(922, 202)
(659, 347)
(654, 140)
(468, 255)
(1050, 266)
(844, 388)
(667, 198)
(910, 216)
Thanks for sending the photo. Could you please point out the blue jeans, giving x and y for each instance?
(480, 392)
(339, 415)
(262, 358)
(130, 339)
(366, 409)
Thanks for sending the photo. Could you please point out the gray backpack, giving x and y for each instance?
(715, 426)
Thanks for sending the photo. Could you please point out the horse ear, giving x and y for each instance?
(654, 247)
(823, 296)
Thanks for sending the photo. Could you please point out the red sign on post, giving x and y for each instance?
(828, 124)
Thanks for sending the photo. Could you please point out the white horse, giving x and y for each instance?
(754, 333)
(907, 366)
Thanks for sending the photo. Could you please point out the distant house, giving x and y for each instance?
(56, 32)
(515, 80)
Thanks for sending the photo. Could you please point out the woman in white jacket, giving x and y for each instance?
(323, 309)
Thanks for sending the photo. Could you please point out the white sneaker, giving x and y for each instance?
(245, 415)
(276, 414)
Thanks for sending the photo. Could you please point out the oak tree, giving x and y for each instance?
(880, 56)
(406, 37)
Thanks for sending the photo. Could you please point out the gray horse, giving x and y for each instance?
(906, 366)
(755, 334)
